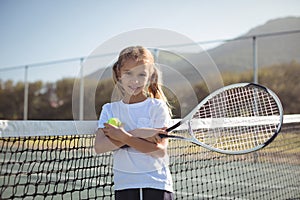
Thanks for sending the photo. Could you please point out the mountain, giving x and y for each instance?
(235, 55)
(238, 55)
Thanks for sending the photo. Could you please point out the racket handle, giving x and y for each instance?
(163, 135)
(167, 136)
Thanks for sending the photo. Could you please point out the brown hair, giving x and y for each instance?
(139, 54)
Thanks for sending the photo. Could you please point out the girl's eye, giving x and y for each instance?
(142, 75)
(127, 73)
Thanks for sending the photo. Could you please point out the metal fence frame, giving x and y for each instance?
(254, 39)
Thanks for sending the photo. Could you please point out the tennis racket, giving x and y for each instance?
(236, 119)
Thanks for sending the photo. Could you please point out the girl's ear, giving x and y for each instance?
(116, 72)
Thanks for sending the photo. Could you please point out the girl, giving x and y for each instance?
(140, 155)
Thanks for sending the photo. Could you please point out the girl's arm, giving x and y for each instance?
(133, 139)
(149, 134)
(104, 144)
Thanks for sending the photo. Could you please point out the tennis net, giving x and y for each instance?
(56, 160)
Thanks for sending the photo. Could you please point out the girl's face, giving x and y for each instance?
(134, 77)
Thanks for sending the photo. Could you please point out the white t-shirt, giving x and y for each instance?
(133, 169)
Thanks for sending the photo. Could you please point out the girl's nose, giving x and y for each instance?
(134, 80)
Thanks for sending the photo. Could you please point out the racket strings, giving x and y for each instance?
(227, 109)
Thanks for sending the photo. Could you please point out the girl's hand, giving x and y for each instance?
(156, 138)
(115, 133)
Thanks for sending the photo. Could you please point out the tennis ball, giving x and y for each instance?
(114, 121)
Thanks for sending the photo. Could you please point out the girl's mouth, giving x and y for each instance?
(134, 88)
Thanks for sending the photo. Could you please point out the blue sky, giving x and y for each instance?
(34, 31)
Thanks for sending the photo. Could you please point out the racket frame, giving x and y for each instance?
(193, 139)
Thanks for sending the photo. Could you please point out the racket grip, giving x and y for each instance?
(167, 136)
(163, 135)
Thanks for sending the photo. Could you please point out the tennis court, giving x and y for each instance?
(65, 167)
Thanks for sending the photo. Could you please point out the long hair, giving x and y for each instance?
(139, 54)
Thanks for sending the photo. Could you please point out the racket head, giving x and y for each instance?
(236, 119)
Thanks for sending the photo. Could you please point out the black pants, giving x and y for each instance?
(148, 194)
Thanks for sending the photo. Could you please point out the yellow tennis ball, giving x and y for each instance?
(114, 121)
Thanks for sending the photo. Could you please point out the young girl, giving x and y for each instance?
(140, 155)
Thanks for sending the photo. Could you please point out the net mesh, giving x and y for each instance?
(65, 167)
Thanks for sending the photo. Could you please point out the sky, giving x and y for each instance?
(37, 31)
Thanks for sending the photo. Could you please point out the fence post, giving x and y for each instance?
(255, 79)
(255, 70)
(81, 92)
(26, 93)
(156, 54)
